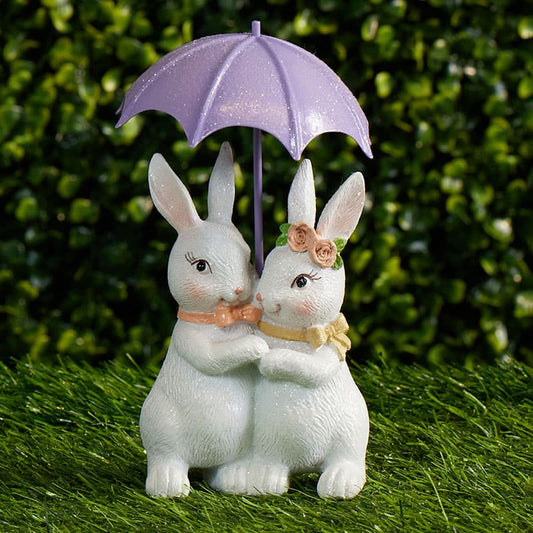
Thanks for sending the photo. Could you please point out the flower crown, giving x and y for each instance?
(301, 237)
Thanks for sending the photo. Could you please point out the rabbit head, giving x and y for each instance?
(210, 261)
(302, 284)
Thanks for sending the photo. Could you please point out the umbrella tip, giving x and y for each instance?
(368, 150)
(256, 28)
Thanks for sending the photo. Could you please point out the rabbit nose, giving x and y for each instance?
(259, 297)
(239, 290)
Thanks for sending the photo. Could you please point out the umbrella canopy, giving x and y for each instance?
(253, 80)
(249, 79)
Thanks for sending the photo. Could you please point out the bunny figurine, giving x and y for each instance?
(199, 411)
(309, 414)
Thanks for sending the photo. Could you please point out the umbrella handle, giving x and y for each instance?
(258, 184)
(258, 202)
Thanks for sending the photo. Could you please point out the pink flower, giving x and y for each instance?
(303, 238)
(300, 237)
(324, 253)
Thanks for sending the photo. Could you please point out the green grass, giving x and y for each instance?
(450, 450)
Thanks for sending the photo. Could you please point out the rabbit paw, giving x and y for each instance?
(255, 346)
(341, 481)
(266, 478)
(168, 480)
(275, 364)
(230, 478)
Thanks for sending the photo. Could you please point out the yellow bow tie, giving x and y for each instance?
(334, 333)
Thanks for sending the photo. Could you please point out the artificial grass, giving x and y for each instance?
(450, 450)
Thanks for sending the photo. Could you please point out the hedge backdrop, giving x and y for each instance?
(439, 269)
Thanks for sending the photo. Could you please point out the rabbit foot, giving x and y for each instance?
(168, 480)
(267, 478)
(230, 478)
(343, 481)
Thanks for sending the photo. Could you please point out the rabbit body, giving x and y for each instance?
(309, 414)
(198, 412)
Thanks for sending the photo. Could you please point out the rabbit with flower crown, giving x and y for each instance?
(309, 414)
(199, 411)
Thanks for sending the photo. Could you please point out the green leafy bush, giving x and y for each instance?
(439, 268)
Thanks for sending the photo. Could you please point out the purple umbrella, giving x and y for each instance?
(253, 80)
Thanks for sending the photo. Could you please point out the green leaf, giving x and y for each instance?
(454, 290)
(281, 240)
(303, 23)
(284, 228)
(525, 88)
(525, 28)
(139, 207)
(500, 229)
(111, 79)
(384, 84)
(360, 259)
(338, 262)
(83, 210)
(68, 185)
(80, 237)
(524, 304)
(369, 28)
(418, 87)
(27, 209)
(340, 244)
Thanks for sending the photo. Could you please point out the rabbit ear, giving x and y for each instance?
(221, 193)
(302, 201)
(341, 214)
(170, 196)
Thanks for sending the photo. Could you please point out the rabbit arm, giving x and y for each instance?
(309, 370)
(215, 358)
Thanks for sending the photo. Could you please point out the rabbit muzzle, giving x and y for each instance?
(273, 309)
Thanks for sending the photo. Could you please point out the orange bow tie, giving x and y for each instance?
(224, 315)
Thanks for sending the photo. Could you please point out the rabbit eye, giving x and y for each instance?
(302, 280)
(201, 265)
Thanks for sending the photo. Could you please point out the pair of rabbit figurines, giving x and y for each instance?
(251, 393)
